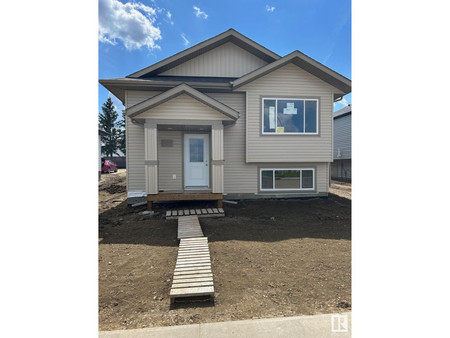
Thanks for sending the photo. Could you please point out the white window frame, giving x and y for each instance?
(276, 115)
(290, 189)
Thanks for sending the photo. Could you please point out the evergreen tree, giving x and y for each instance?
(107, 122)
(121, 143)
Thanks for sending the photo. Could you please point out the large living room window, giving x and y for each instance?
(290, 116)
(287, 179)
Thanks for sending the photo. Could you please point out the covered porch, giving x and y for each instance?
(183, 139)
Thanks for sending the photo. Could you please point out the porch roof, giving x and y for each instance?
(183, 88)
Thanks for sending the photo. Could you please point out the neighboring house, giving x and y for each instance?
(229, 118)
(341, 168)
(100, 133)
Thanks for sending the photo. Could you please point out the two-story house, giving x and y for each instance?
(229, 118)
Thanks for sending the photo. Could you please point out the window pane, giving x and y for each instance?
(267, 179)
(307, 179)
(196, 149)
(269, 116)
(310, 116)
(290, 116)
(287, 179)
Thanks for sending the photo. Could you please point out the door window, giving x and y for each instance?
(196, 150)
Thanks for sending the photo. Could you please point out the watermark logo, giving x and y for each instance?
(339, 323)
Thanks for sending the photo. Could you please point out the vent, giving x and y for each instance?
(167, 143)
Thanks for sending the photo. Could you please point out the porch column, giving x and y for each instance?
(151, 158)
(217, 160)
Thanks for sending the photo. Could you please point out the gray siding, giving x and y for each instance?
(343, 137)
(183, 107)
(227, 60)
(239, 177)
(134, 96)
(135, 157)
(170, 161)
(289, 81)
(341, 169)
(135, 144)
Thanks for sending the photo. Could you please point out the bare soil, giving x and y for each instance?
(270, 258)
(341, 189)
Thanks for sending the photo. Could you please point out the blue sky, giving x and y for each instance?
(134, 35)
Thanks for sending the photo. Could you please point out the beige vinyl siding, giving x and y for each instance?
(217, 155)
(239, 177)
(321, 175)
(184, 107)
(135, 144)
(134, 96)
(135, 156)
(170, 161)
(227, 60)
(289, 81)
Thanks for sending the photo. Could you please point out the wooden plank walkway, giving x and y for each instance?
(210, 212)
(189, 226)
(193, 275)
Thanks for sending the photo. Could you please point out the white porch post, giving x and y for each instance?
(217, 161)
(151, 158)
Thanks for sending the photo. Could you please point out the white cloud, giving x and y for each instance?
(198, 13)
(270, 8)
(169, 16)
(131, 23)
(341, 104)
(186, 41)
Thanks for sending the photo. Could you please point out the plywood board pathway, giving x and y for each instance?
(193, 275)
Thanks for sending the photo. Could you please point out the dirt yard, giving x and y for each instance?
(270, 258)
(341, 189)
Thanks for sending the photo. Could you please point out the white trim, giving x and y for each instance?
(276, 115)
(206, 155)
(280, 189)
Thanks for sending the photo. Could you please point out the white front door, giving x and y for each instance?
(196, 164)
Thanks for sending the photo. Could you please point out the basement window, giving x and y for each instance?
(288, 179)
(290, 116)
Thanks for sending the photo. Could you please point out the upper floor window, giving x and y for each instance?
(290, 116)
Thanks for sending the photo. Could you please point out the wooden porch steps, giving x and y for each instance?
(193, 275)
(209, 212)
(186, 195)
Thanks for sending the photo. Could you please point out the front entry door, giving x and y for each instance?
(196, 164)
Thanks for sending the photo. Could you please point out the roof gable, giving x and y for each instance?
(225, 61)
(173, 93)
(305, 62)
(228, 36)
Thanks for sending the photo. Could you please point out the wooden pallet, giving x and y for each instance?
(193, 275)
(189, 226)
(210, 212)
